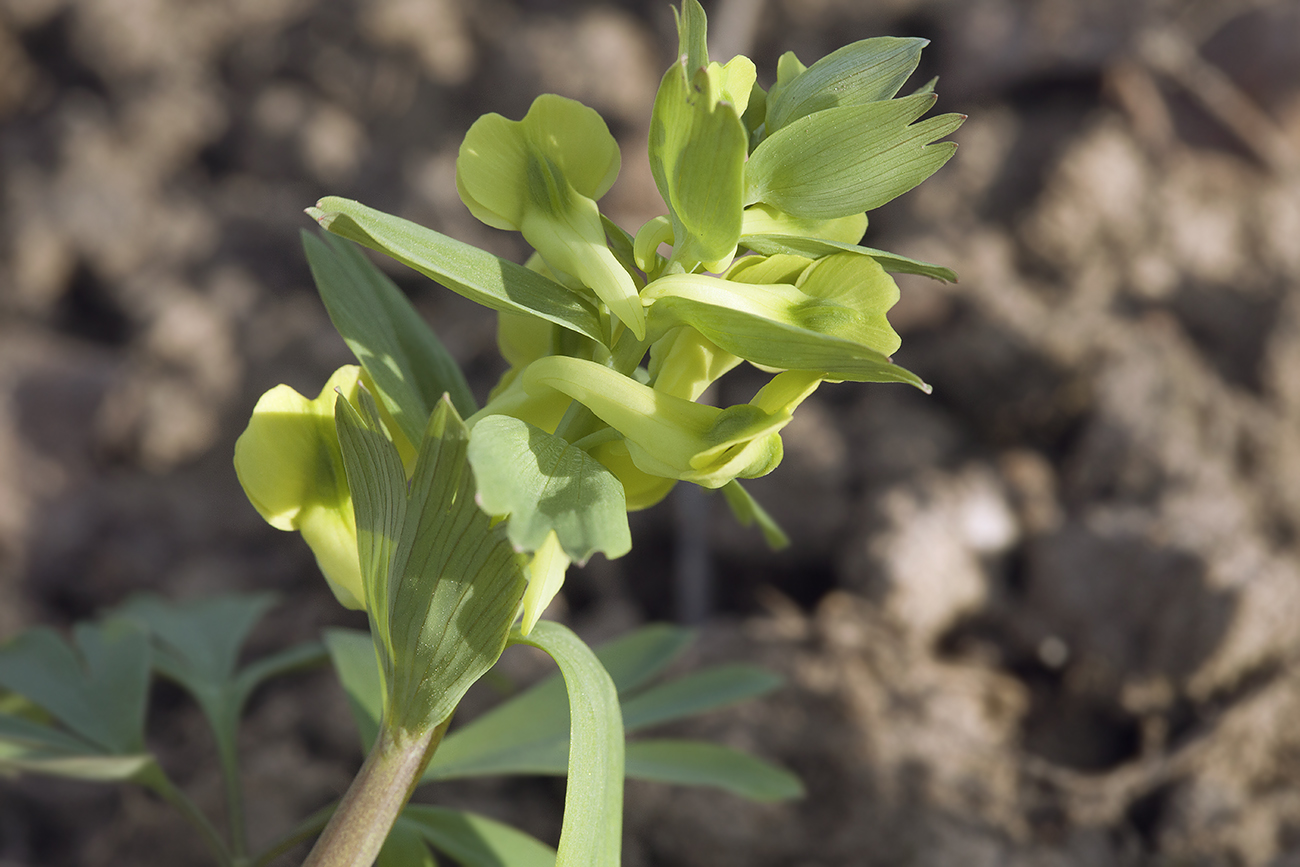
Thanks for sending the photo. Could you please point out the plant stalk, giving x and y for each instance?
(358, 828)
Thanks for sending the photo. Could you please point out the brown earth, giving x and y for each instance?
(1048, 615)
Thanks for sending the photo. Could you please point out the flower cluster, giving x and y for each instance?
(612, 338)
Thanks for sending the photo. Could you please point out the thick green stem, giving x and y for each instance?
(358, 828)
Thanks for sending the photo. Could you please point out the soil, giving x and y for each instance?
(1047, 615)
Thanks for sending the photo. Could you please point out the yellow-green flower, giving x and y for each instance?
(675, 438)
(290, 465)
(541, 176)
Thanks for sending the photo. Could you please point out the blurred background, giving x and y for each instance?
(1047, 615)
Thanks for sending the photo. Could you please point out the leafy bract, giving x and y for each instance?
(593, 800)
(869, 70)
(850, 158)
(478, 275)
(442, 584)
(409, 366)
(545, 484)
(817, 247)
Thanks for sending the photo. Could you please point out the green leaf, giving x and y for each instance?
(697, 693)
(748, 512)
(544, 483)
(529, 733)
(404, 358)
(849, 159)
(593, 800)
(474, 840)
(405, 847)
(815, 248)
(355, 663)
(697, 763)
(443, 585)
(197, 645)
(97, 689)
(869, 70)
(698, 146)
(462, 268)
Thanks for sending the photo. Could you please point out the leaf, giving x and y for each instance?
(353, 655)
(98, 688)
(544, 483)
(593, 800)
(748, 512)
(849, 159)
(815, 248)
(407, 363)
(697, 693)
(462, 268)
(697, 763)
(474, 840)
(529, 733)
(405, 847)
(442, 584)
(869, 70)
(35, 747)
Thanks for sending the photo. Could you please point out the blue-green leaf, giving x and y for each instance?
(474, 840)
(697, 693)
(697, 763)
(97, 688)
(405, 846)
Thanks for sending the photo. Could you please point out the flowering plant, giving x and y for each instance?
(452, 525)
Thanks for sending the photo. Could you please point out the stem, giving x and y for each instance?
(228, 755)
(358, 828)
(158, 782)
